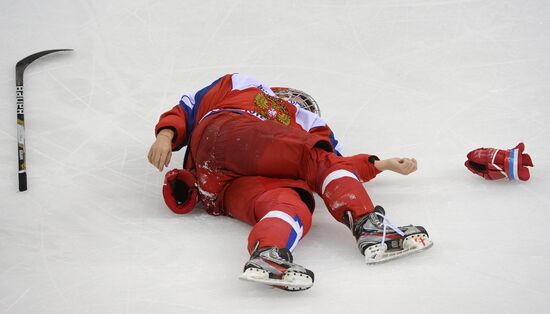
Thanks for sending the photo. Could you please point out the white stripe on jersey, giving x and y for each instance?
(189, 99)
(309, 120)
(241, 82)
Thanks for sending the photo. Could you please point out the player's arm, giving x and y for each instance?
(368, 166)
(363, 164)
(170, 136)
(175, 126)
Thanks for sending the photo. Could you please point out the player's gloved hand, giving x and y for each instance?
(494, 164)
(179, 191)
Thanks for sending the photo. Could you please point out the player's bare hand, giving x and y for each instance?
(403, 166)
(161, 150)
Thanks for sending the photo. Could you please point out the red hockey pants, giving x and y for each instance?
(257, 171)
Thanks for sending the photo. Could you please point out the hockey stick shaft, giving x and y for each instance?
(21, 138)
(21, 151)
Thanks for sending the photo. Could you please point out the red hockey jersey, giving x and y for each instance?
(242, 94)
(247, 96)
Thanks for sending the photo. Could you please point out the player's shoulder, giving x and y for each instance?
(242, 81)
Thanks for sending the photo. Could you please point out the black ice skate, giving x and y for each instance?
(380, 244)
(274, 267)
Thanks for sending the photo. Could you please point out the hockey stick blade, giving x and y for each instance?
(23, 63)
(19, 70)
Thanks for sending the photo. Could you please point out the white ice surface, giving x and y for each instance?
(426, 79)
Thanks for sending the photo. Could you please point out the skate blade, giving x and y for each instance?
(415, 243)
(291, 281)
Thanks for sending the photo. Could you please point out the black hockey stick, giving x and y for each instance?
(19, 70)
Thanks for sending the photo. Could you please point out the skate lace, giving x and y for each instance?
(386, 223)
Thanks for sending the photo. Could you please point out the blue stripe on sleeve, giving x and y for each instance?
(192, 112)
(334, 142)
(188, 111)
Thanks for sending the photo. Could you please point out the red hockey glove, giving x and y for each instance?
(179, 191)
(494, 164)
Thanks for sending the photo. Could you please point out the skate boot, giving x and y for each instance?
(380, 244)
(273, 266)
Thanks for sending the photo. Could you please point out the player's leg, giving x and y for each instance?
(348, 202)
(280, 218)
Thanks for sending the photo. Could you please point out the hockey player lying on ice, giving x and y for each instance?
(258, 158)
